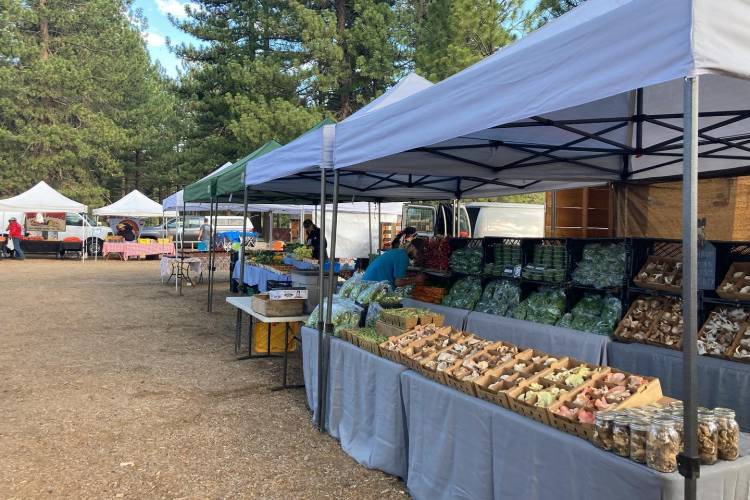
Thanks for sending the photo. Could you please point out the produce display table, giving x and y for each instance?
(47, 246)
(364, 409)
(720, 382)
(129, 249)
(453, 317)
(243, 304)
(583, 346)
(258, 276)
(463, 447)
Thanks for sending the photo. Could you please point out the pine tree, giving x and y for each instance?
(549, 9)
(454, 34)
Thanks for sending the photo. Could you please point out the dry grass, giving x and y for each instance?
(112, 386)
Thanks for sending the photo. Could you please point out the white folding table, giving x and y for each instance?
(243, 304)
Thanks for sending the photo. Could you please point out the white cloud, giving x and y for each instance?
(154, 39)
(174, 7)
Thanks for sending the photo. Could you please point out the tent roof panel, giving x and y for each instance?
(133, 204)
(41, 198)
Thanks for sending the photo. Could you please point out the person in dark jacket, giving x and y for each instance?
(313, 239)
(404, 237)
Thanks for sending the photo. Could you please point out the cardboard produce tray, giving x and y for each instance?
(468, 386)
(649, 392)
(500, 396)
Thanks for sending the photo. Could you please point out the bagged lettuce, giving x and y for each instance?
(500, 297)
(464, 294)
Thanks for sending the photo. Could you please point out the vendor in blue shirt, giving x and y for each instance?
(392, 265)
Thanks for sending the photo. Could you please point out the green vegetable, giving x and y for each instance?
(594, 313)
(467, 260)
(602, 265)
(303, 252)
(344, 314)
(373, 291)
(464, 294)
(369, 334)
(499, 297)
(348, 287)
(549, 264)
(545, 306)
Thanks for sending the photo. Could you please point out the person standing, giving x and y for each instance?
(15, 231)
(204, 234)
(392, 265)
(313, 239)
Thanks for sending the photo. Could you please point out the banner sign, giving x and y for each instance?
(45, 221)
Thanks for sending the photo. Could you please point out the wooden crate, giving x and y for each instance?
(277, 308)
(620, 327)
(733, 349)
(658, 286)
(735, 341)
(743, 267)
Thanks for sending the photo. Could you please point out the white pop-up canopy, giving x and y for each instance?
(293, 168)
(133, 204)
(594, 95)
(41, 198)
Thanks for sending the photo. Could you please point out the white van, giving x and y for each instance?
(76, 225)
(477, 220)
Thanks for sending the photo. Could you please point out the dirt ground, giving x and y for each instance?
(112, 386)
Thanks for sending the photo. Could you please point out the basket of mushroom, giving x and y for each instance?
(391, 348)
(643, 314)
(667, 332)
(417, 351)
(741, 348)
(660, 273)
(466, 345)
(462, 375)
(736, 283)
(496, 383)
(717, 336)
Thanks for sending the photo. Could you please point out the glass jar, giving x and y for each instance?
(662, 445)
(621, 435)
(603, 429)
(638, 438)
(679, 423)
(708, 438)
(729, 434)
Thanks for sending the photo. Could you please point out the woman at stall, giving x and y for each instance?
(404, 237)
(392, 265)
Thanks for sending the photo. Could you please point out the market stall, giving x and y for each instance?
(45, 210)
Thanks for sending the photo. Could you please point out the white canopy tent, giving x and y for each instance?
(44, 198)
(41, 198)
(608, 92)
(133, 204)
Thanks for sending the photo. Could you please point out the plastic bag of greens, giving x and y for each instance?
(404, 291)
(373, 314)
(499, 297)
(346, 289)
(465, 293)
(610, 316)
(344, 314)
(601, 265)
(467, 260)
(358, 288)
(374, 291)
(545, 306)
(520, 311)
(565, 321)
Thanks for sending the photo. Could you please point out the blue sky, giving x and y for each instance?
(160, 29)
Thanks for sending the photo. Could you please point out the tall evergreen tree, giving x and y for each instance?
(549, 9)
(454, 34)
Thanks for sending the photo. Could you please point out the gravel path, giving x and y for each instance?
(112, 386)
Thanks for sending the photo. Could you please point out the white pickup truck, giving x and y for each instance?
(77, 225)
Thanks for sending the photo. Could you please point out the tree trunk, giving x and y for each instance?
(345, 84)
(43, 30)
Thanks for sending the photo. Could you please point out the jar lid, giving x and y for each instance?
(724, 412)
(640, 424)
(623, 419)
(662, 422)
(706, 417)
(604, 416)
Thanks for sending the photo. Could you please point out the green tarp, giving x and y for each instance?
(225, 182)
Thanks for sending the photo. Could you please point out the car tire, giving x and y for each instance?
(93, 247)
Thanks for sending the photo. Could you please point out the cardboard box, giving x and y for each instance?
(277, 308)
(288, 294)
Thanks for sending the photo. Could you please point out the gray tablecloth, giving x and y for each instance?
(257, 276)
(463, 447)
(720, 382)
(454, 317)
(365, 410)
(552, 339)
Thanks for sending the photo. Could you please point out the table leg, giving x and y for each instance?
(268, 340)
(238, 332)
(284, 384)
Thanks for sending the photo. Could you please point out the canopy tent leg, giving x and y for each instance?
(213, 252)
(210, 250)
(379, 230)
(331, 278)
(96, 254)
(241, 258)
(301, 237)
(369, 225)
(321, 301)
(182, 244)
(688, 461)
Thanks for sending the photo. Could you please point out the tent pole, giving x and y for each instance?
(301, 237)
(379, 230)
(213, 248)
(321, 300)
(241, 259)
(210, 247)
(182, 245)
(369, 226)
(96, 254)
(331, 276)
(688, 462)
